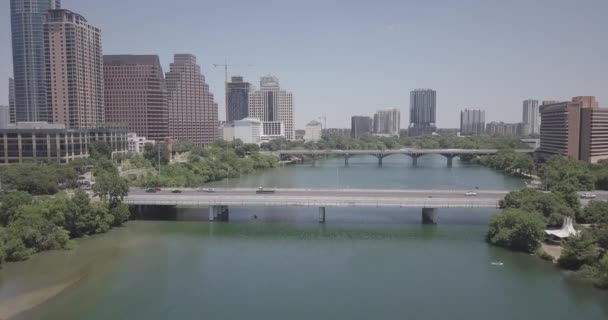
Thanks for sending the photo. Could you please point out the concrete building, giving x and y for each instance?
(5, 117)
(41, 141)
(29, 65)
(193, 113)
(11, 99)
(300, 135)
(272, 104)
(577, 129)
(361, 126)
(504, 129)
(336, 132)
(135, 95)
(387, 122)
(137, 144)
(472, 122)
(531, 117)
(313, 131)
(423, 109)
(272, 130)
(248, 130)
(237, 99)
(74, 70)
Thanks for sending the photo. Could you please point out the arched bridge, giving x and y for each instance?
(449, 154)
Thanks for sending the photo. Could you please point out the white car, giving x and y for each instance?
(470, 193)
(206, 190)
(588, 195)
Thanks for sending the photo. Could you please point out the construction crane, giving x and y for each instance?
(225, 65)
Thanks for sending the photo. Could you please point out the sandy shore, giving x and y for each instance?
(26, 301)
(552, 250)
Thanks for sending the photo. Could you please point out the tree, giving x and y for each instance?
(111, 187)
(151, 153)
(602, 273)
(517, 230)
(100, 150)
(121, 214)
(10, 203)
(551, 206)
(594, 212)
(578, 251)
(559, 169)
(182, 145)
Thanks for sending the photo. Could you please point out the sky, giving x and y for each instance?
(345, 57)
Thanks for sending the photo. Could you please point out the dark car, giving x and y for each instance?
(151, 190)
(176, 191)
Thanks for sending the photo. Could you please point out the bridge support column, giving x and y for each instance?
(428, 215)
(321, 214)
(380, 158)
(219, 213)
(346, 158)
(450, 158)
(415, 160)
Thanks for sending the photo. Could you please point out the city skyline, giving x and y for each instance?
(497, 75)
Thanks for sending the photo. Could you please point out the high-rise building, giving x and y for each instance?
(313, 131)
(575, 129)
(531, 117)
(11, 100)
(29, 69)
(336, 132)
(237, 99)
(361, 126)
(135, 95)
(423, 108)
(387, 122)
(272, 104)
(504, 129)
(74, 70)
(192, 110)
(472, 122)
(5, 117)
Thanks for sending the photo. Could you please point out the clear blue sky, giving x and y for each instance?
(346, 57)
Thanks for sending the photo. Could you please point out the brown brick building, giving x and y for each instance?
(135, 95)
(193, 113)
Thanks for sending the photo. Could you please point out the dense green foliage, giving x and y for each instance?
(152, 153)
(600, 172)
(560, 170)
(594, 212)
(37, 178)
(32, 225)
(578, 251)
(218, 161)
(517, 230)
(552, 207)
(100, 150)
(509, 161)
(380, 143)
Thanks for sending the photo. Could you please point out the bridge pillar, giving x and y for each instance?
(321, 214)
(428, 215)
(450, 158)
(415, 160)
(346, 158)
(219, 213)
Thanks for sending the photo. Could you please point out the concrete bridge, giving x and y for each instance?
(219, 200)
(449, 154)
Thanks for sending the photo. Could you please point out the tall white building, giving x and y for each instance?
(248, 130)
(313, 131)
(137, 144)
(472, 122)
(272, 104)
(531, 117)
(387, 122)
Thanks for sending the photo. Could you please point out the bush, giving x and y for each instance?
(578, 251)
(516, 230)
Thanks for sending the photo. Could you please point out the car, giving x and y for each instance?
(588, 195)
(157, 189)
(206, 190)
(261, 190)
(176, 191)
(151, 190)
(470, 193)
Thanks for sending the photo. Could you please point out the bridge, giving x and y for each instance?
(449, 154)
(219, 200)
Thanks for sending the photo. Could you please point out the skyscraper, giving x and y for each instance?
(135, 95)
(387, 122)
(361, 126)
(472, 122)
(192, 110)
(11, 99)
(27, 33)
(423, 108)
(237, 99)
(74, 70)
(273, 104)
(531, 117)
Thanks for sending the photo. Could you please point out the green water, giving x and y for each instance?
(362, 264)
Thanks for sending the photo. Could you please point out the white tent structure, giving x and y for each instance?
(566, 231)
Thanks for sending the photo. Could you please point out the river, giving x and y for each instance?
(362, 264)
